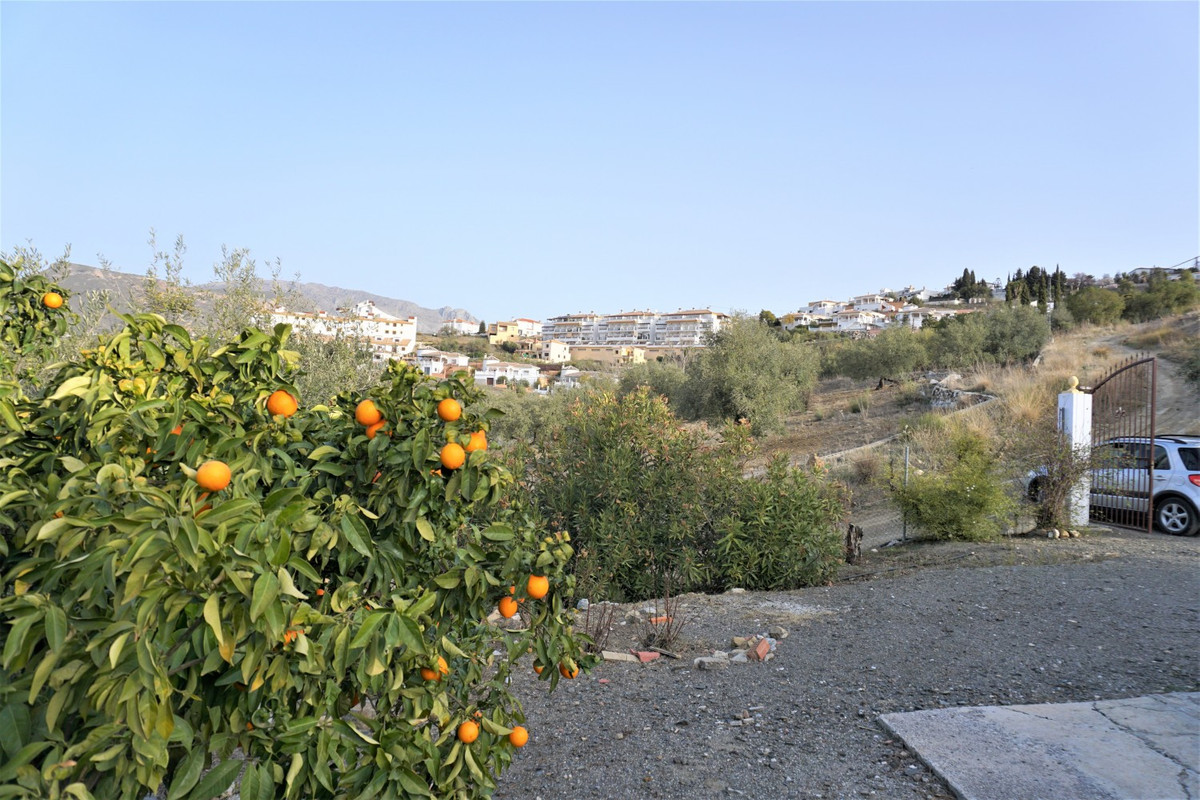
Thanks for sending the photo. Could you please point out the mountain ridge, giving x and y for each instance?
(125, 288)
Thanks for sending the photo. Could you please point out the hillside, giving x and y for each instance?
(125, 287)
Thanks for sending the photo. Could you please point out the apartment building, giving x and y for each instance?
(635, 328)
(689, 328)
(573, 329)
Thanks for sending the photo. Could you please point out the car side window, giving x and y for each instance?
(1191, 458)
(1161, 459)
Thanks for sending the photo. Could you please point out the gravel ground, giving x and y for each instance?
(1110, 615)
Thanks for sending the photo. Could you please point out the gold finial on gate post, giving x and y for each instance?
(1073, 385)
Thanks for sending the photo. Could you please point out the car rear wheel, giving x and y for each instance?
(1176, 516)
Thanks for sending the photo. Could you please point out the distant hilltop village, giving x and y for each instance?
(627, 337)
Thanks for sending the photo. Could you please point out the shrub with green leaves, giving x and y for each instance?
(648, 502)
(963, 495)
(151, 627)
(780, 532)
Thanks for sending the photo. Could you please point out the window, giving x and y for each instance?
(1191, 458)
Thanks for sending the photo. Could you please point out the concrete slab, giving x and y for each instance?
(1144, 748)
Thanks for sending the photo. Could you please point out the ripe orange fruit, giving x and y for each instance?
(366, 413)
(374, 429)
(537, 586)
(508, 607)
(453, 456)
(290, 635)
(538, 668)
(468, 732)
(449, 409)
(52, 300)
(519, 736)
(478, 442)
(213, 475)
(320, 592)
(443, 668)
(281, 403)
(568, 670)
(178, 429)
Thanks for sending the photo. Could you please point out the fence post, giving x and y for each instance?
(1075, 424)
(904, 516)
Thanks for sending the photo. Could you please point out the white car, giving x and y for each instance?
(1120, 476)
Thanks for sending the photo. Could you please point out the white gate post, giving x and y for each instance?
(1075, 423)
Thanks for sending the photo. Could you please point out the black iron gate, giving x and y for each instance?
(1124, 455)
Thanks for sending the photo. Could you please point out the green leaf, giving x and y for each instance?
(287, 586)
(266, 589)
(448, 580)
(187, 774)
(411, 635)
(498, 533)
(114, 649)
(72, 464)
(52, 527)
(412, 784)
(228, 510)
(56, 627)
(294, 770)
(367, 630)
(215, 782)
(356, 534)
(321, 452)
(212, 615)
(425, 529)
(14, 728)
(72, 387)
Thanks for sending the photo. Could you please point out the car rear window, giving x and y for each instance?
(1190, 456)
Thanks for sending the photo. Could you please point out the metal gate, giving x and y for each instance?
(1123, 407)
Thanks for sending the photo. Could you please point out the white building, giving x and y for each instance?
(854, 319)
(640, 328)
(573, 329)
(871, 302)
(825, 308)
(387, 335)
(493, 370)
(555, 352)
(689, 328)
(434, 362)
(462, 327)
(528, 328)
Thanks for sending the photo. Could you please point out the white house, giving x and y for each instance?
(434, 362)
(492, 370)
(387, 335)
(528, 328)
(870, 302)
(462, 327)
(855, 319)
(555, 352)
(916, 317)
(825, 308)
(568, 378)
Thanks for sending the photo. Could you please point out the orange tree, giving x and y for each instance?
(151, 630)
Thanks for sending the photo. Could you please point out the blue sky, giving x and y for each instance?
(533, 159)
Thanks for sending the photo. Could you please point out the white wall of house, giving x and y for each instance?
(490, 372)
